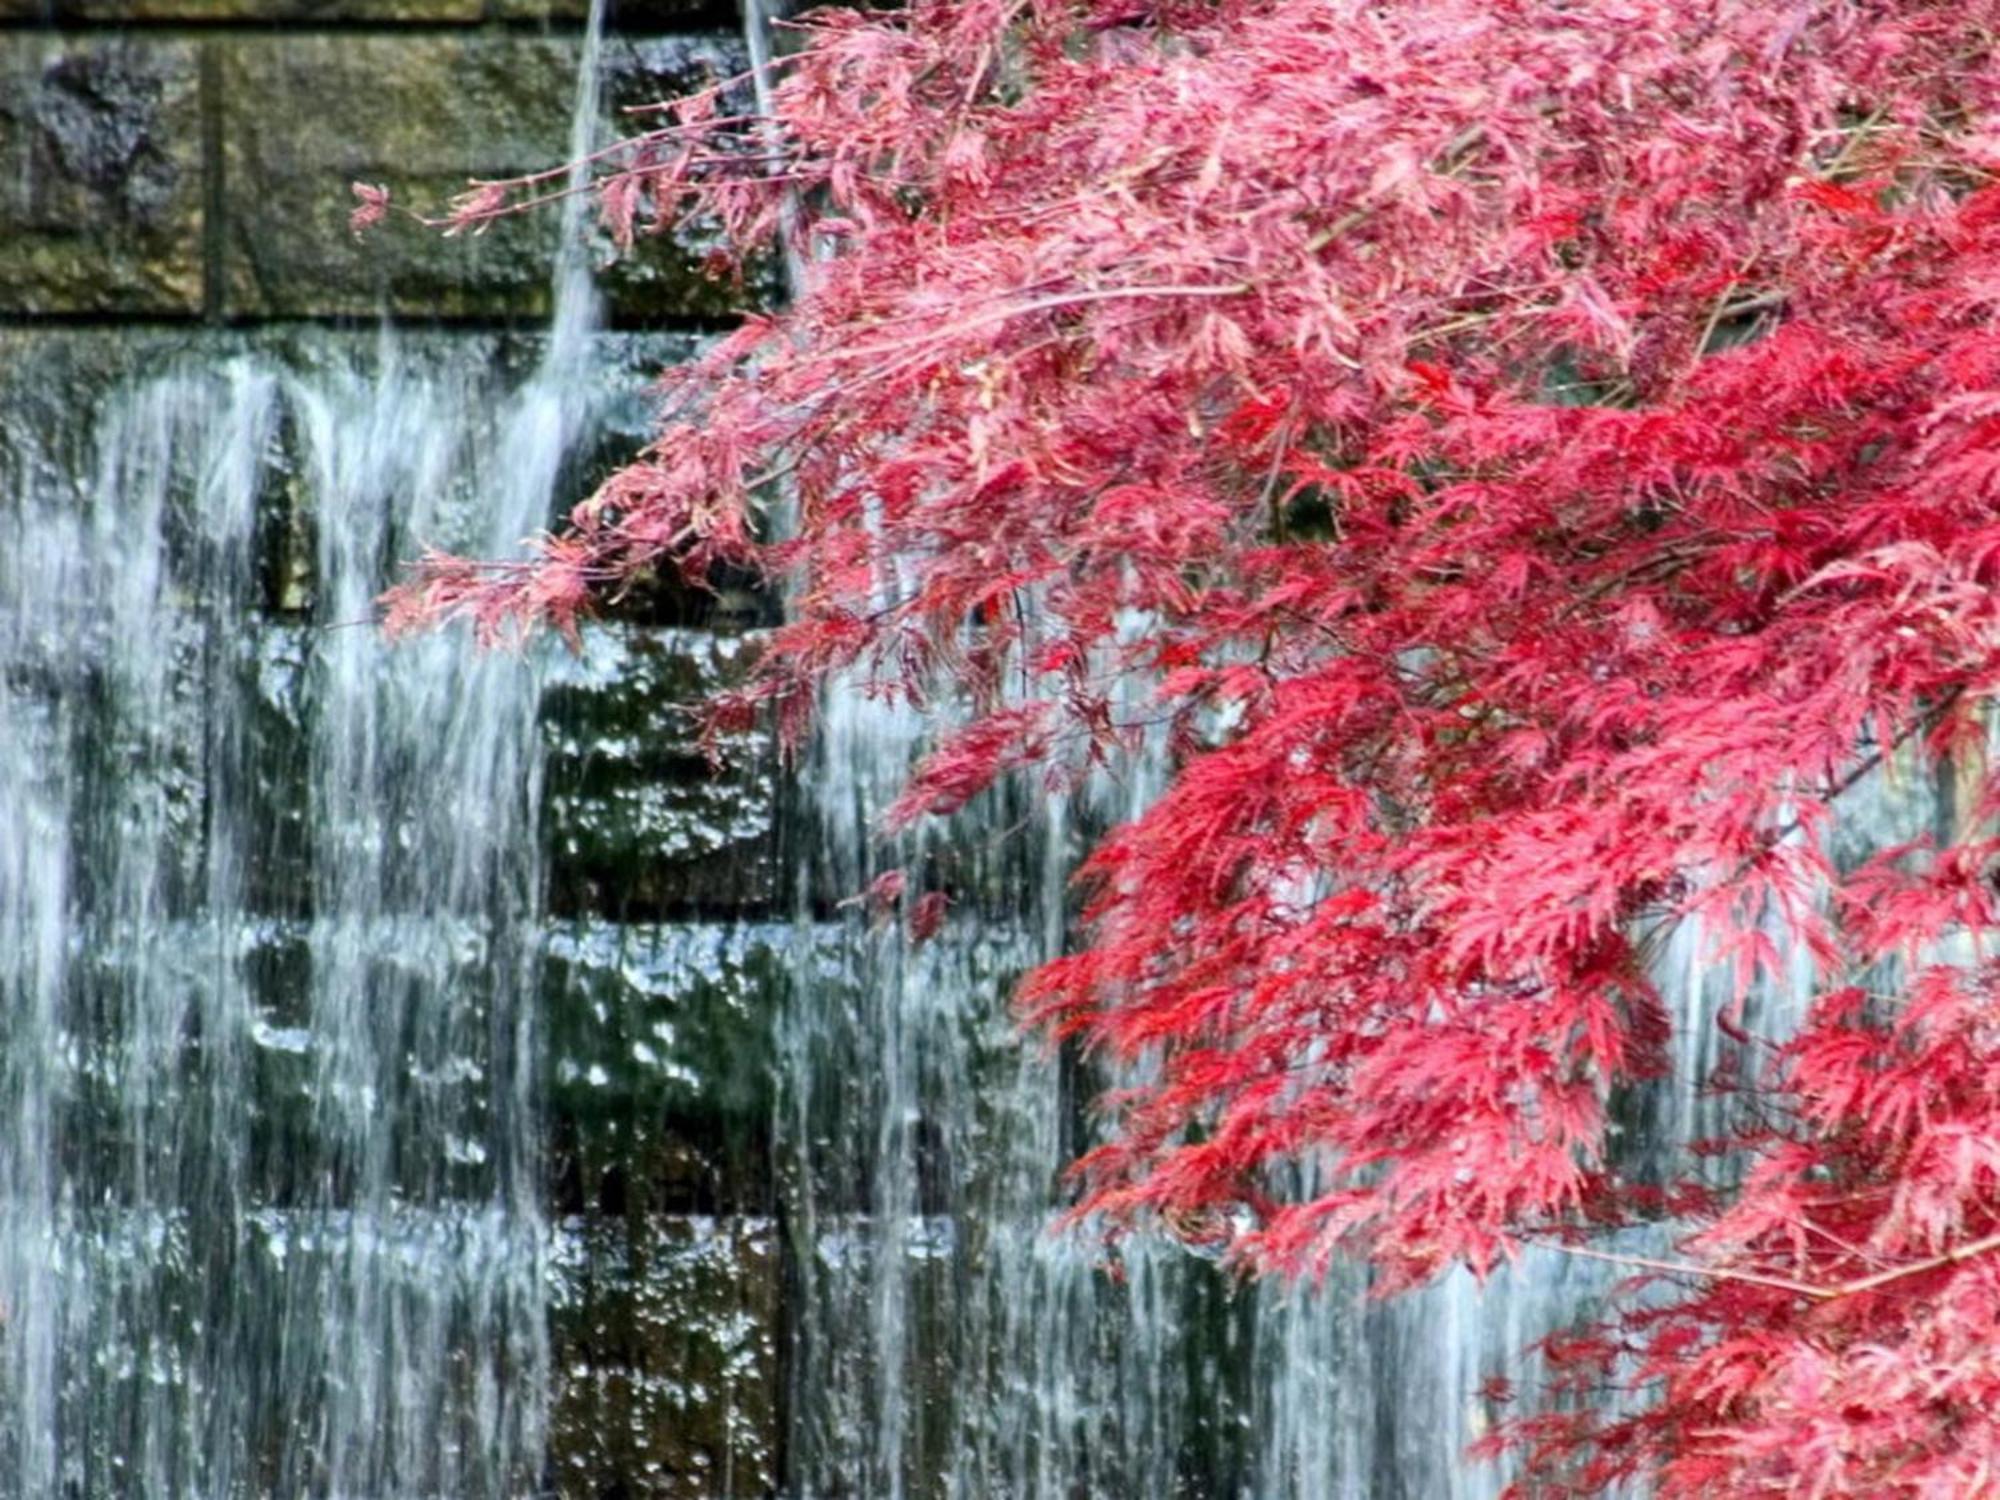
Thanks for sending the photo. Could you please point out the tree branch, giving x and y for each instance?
(1817, 1292)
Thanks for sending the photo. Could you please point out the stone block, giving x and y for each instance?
(101, 176)
(664, 1335)
(304, 116)
(661, 1063)
(639, 824)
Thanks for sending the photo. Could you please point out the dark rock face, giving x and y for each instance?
(304, 116)
(667, 1353)
(638, 823)
(101, 176)
(660, 1065)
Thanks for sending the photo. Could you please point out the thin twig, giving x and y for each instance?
(1817, 1292)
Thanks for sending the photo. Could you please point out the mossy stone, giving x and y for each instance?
(101, 176)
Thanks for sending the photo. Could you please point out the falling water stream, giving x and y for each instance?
(270, 1219)
(270, 1198)
(950, 1346)
(273, 1207)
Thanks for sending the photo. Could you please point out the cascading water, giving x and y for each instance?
(270, 1192)
(946, 1343)
(271, 1215)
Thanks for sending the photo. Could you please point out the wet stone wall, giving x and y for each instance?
(660, 956)
(173, 196)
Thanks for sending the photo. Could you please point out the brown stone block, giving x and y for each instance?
(304, 116)
(100, 176)
(665, 1334)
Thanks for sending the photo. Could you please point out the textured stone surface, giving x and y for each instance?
(639, 824)
(100, 175)
(665, 1338)
(661, 1065)
(304, 116)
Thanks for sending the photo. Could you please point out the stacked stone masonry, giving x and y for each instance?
(197, 166)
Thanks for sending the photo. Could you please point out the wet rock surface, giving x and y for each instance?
(653, 997)
(638, 822)
(660, 1065)
(665, 1333)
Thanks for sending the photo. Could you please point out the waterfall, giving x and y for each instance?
(947, 1343)
(271, 1197)
(270, 1187)
(246, 1184)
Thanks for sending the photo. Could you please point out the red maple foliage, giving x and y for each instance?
(1541, 454)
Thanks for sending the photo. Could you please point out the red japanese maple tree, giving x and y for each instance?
(1540, 455)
